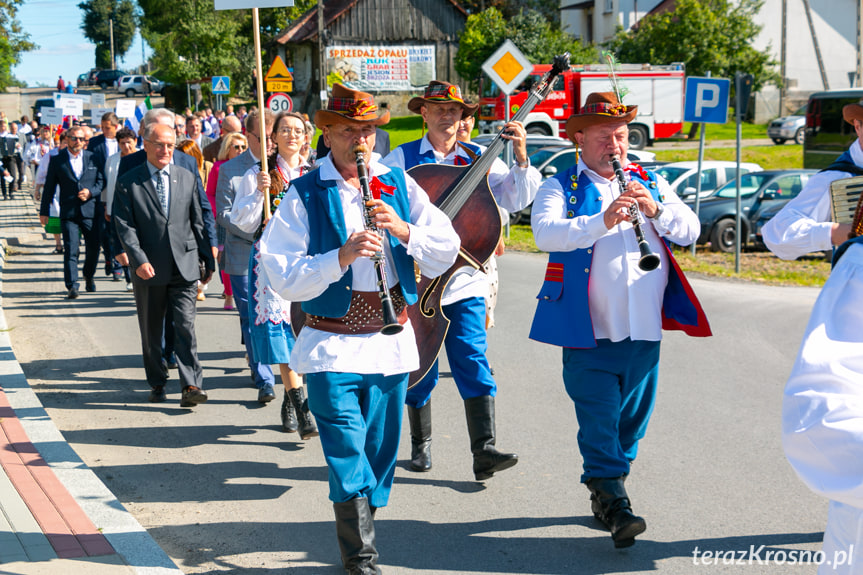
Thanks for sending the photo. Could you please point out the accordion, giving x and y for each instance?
(845, 205)
(7, 146)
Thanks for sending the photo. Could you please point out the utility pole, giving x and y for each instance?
(859, 81)
(111, 37)
(783, 91)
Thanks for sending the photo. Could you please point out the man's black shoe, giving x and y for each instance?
(109, 268)
(192, 396)
(90, 284)
(158, 395)
(73, 293)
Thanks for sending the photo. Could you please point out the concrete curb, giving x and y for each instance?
(131, 541)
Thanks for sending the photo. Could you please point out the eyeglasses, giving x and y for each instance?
(76, 138)
(238, 147)
(288, 131)
(160, 145)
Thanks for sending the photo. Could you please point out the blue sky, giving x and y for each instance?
(55, 25)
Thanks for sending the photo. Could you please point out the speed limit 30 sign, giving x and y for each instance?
(280, 103)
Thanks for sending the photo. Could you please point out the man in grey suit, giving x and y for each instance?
(238, 243)
(158, 218)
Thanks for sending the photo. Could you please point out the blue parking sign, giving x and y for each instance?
(706, 100)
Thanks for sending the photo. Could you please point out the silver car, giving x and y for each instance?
(131, 85)
(786, 128)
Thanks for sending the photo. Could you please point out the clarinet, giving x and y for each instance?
(649, 261)
(391, 323)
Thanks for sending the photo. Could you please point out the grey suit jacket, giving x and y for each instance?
(149, 236)
(238, 243)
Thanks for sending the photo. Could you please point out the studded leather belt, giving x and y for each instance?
(364, 316)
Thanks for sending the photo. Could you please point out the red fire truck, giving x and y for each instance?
(656, 90)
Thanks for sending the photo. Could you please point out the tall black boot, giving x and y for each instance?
(355, 528)
(480, 426)
(289, 417)
(610, 504)
(420, 420)
(304, 416)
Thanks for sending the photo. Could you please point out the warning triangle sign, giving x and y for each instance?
(220, 86)
(278, 72)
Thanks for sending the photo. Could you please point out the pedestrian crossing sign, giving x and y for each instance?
(221, 85)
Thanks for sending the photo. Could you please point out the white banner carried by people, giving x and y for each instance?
(242, 4)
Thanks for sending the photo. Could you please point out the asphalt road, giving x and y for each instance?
(223, 490)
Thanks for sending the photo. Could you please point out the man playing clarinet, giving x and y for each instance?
(317, 250)
(605, 310)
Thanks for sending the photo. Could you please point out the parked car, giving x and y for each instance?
(105, 78)
(131, 85)
(534, 142)
(792, 127)
(38, 105)
(683, 176)
(760, 192)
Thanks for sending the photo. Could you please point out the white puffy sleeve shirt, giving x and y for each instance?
(624, 301)
(297, 276)
(803, 225)
(513, 189)
(822, 408)
(248, 207)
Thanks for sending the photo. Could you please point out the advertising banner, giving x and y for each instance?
(381, 68)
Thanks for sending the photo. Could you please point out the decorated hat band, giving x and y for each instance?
(443, 93)
(605, 109)
(351, 107)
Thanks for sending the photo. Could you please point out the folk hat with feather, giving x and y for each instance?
(600, 108)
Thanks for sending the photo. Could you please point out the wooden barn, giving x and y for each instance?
(390, 48)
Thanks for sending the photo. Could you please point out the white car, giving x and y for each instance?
(131, 85)
(683, 176)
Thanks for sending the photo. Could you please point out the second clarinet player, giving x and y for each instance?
(318, 251)
(603, 309)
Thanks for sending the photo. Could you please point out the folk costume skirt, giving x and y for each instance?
(269, 318)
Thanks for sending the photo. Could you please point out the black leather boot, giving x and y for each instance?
(289, 418)
(304, 416)
(420, 421)
(480, 426)
(610, 504)
(355, 528)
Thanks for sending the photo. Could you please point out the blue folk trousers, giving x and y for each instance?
(359, 418)
(262, 373)
(614, 389)
(466, 346)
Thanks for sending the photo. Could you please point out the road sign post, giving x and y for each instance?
(706, 103)
(280, 103)
(507, 67)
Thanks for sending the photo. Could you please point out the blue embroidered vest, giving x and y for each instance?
(327, 232)
(563, 313)
(413, 157)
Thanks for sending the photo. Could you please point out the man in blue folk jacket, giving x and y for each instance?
(603, 310)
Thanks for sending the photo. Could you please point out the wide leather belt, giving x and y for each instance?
(364, 316)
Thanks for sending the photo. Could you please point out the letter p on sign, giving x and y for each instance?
(706, 100)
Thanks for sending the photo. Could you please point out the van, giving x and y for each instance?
(827, 133)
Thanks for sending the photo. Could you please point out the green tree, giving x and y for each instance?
(706, 35)
(539, 40)
(13, 41)
(100, 16)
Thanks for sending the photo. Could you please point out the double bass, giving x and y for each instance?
(463, 194)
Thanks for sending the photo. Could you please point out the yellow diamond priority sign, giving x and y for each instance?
(507, 67)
